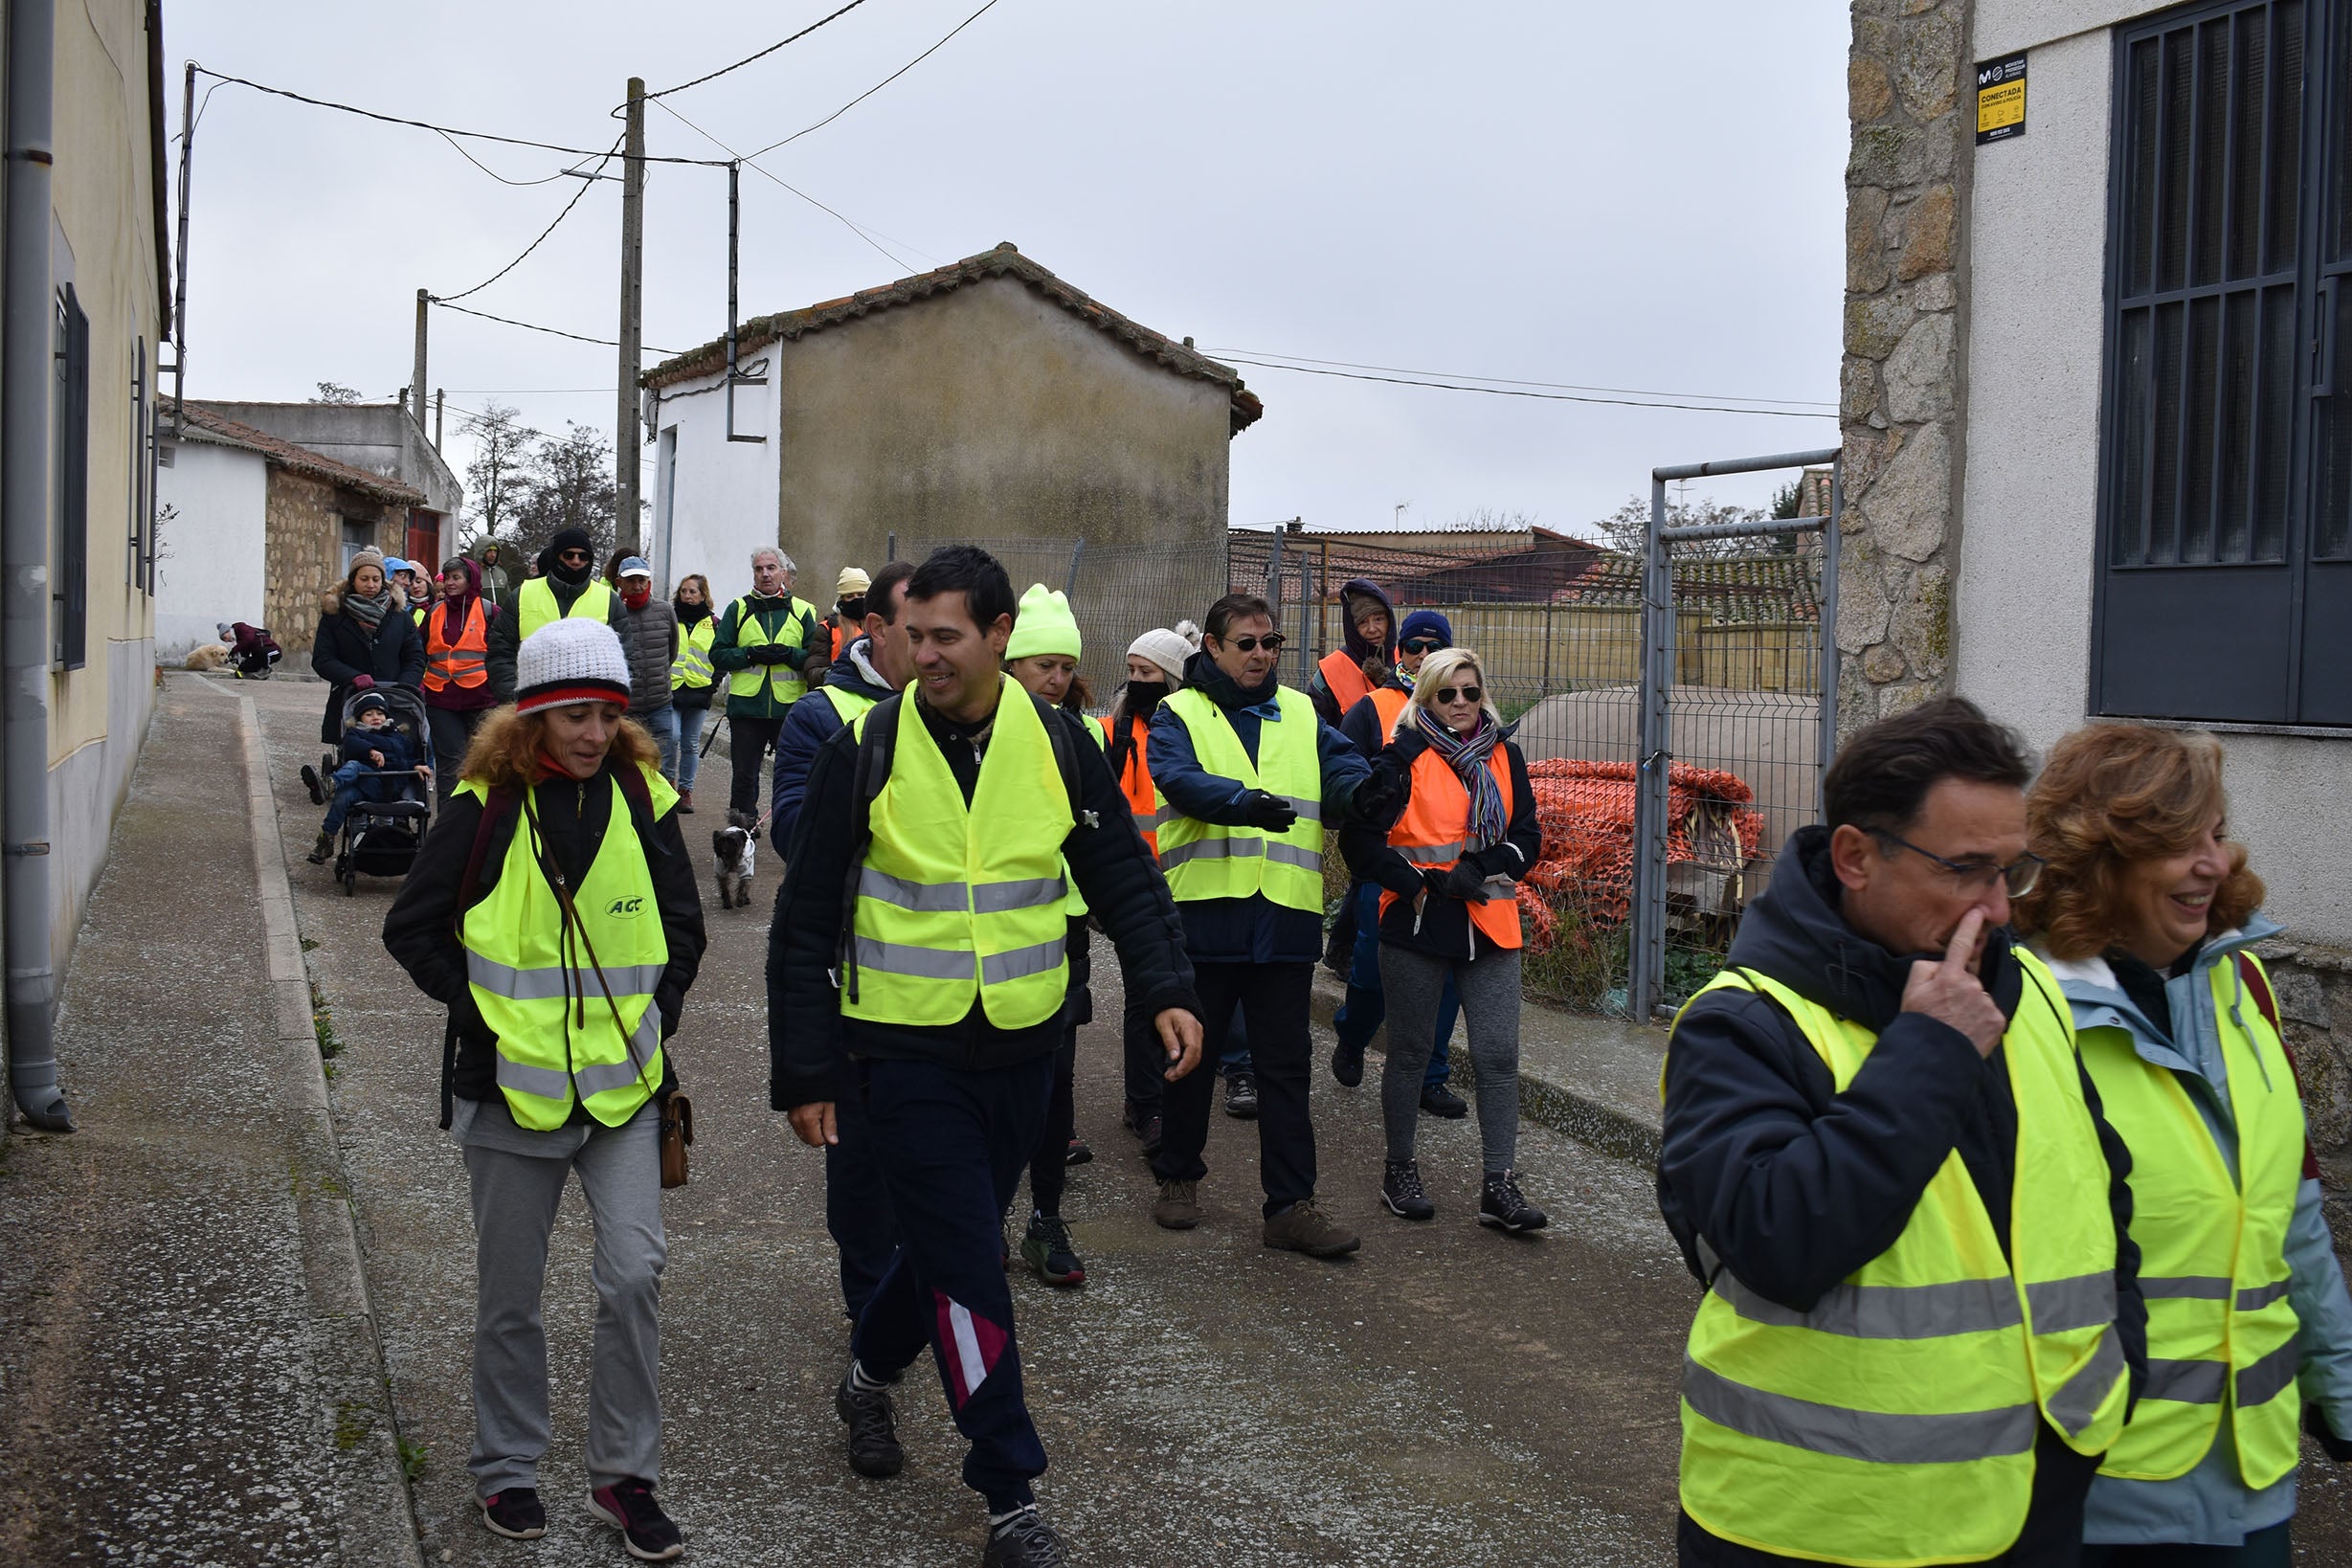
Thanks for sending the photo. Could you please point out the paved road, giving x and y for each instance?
(1450, 1396)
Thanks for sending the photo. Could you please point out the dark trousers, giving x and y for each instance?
(951, 1144)
(856, 1207)
(1359, 1018)
(2269, 1547)
(1273, 1000)
(451, 732)
(1049, 1167)
(748, 741)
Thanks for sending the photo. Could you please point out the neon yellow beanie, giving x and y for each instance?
(1045, 626)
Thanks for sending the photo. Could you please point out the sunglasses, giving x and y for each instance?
(1270, 642)
(1467, 694)
(1419, 645)
(573, 555)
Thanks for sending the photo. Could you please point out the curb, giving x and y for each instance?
(380, 1526)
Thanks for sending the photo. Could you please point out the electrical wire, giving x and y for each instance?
(584, 186)
(757, 169)
(202, 103)
(1261, 355)
(880, 85)
(1512, 391)
(458, 148)
(713, 76)
(552, 331)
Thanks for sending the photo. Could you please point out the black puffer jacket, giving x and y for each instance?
(1443, 928)
(421, 930)
(808, 1040)
(390, 653)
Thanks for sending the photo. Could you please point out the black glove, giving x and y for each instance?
(767, 653)
(1465, 882)
(1376, 798)
(1269, 813)
(2338, 1449)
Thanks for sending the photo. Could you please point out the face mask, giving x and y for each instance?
(1145, 696)
(636, 599)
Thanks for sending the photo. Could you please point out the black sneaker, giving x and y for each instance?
(1241, 1095)
(1501, 1204)
(644, 1529)
(873, 1436)
(1023, 1542)
(1078, 1154)
(1348, 1066)
(516, 1514)
(310, 782)
(1402, 1191)
(1145, 1124)
(1048, 1250)
(1439, 1101)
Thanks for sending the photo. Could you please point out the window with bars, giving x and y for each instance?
(68, 556)
(2225, 588)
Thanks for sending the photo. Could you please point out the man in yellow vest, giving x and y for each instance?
(916, 963)
(767, 644)
(1923, 1323)
(570, 591)
(1247, 776)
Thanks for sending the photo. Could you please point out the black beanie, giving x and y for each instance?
(569, 539)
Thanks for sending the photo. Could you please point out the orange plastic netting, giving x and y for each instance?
(1586, 809)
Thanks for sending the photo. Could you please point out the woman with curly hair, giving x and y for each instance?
(2148, 915)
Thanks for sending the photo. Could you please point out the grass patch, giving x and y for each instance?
(309, 943)
(352, 1425)
(411, 1458)
(322, 1026)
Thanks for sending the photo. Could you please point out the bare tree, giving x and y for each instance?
(570, 485)
(497, 482)
(335, 392)
(1627, 528)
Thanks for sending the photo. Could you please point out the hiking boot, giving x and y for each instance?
(1402, 1191)
(873, 1435)
(516, 1514)
(323, 850)
(310, 782)
(1046, 1248)
(1241, 1096)
(1439, 1101)
(1348, 1066)
(629, 1508)
(1301, 1228)
(1145, 1124)
(1080, 1152)
(1023, 1542)
(1179, 1204)
(686, 802)
(1501, 1204)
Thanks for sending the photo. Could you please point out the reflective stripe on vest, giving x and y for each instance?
(785, 684)
(956, 905)
(1345, 677)
(1435, 827)
(540, 996)
(463, 662)
(2212, 1246)
(1135, 782)
(535, 605)
(1206, 860)
(693, 665)
(1894, 1421)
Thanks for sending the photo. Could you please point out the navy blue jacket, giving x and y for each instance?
(812, 722)
(1253, 929)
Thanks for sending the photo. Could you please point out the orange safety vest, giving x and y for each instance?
(464, 662)
(1135, 782)
(1388, 701)
(1346, 679)
(1436, 822)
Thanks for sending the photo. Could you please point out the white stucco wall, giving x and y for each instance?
(714, 500)
(2030, 497)
(214, 568)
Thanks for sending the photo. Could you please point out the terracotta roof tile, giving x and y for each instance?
(207, 425)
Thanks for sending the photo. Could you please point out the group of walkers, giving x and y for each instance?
(2010, 1243)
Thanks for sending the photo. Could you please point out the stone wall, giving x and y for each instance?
(1903, 384)
(2315, 1004)
(304, 550)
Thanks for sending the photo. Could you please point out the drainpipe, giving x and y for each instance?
(27, 330)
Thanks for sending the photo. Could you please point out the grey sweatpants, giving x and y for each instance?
(515, 1199)
(1489, 986)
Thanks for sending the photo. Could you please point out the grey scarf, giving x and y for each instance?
(367, 612)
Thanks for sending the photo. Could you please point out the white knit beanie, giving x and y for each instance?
(1165, 648)
(570, 661)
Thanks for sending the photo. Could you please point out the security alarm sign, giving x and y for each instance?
(2001, 99)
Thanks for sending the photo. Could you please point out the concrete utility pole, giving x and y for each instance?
(416, 375)
(625, 443)
(440, 405)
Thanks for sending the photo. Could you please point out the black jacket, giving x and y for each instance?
(1443, 929)
(1794, 1186)
(808, 1040)
(421, 930)
(392, 653)
(506, 631)
(811, 722)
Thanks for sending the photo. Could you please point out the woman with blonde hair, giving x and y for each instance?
(553, 911)
(2147, 915)
(1446, 827)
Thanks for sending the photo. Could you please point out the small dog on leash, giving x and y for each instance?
(732, 845)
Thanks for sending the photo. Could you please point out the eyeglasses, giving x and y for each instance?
(1270, 642)
(2020, 874)
(1467, 694)
(573, 555)
(1419, 645)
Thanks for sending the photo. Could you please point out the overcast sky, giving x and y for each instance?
(1644, 197)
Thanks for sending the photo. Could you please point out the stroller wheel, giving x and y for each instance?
(350, 883)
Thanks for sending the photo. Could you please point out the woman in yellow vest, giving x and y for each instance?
(2148, 915)
(692, 677)
(553, 911)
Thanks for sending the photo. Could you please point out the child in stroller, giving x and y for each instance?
(377, 815)
(251, 650)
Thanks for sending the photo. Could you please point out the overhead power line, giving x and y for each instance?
(762, 171)
(502, 272)
(458, 148)
(1516, 392)
(1261, 355)
(551, 331)
(713, 76)
(880, 85)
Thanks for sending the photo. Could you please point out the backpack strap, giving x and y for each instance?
(2250, 971)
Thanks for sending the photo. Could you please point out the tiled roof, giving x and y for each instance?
(1004, 261)
(207, 425)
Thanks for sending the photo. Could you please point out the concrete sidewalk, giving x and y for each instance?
(191, 1370)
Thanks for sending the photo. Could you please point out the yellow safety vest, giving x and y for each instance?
(785, 684)
(958, 904)
(556, 1035)
(1206, 860)
(693, 665)
(2212, 1247)
(1895, 1422)
(849, 705)
(536, 605)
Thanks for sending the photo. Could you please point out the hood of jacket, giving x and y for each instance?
(330, 602)
(1220, 688)
(850, 675)
(2096, 998)
(1357, 589)
(1795, 934)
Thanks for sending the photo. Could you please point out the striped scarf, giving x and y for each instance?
(1466, 755)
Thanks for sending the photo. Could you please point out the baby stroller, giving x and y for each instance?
(251, 650)
(380, 838)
